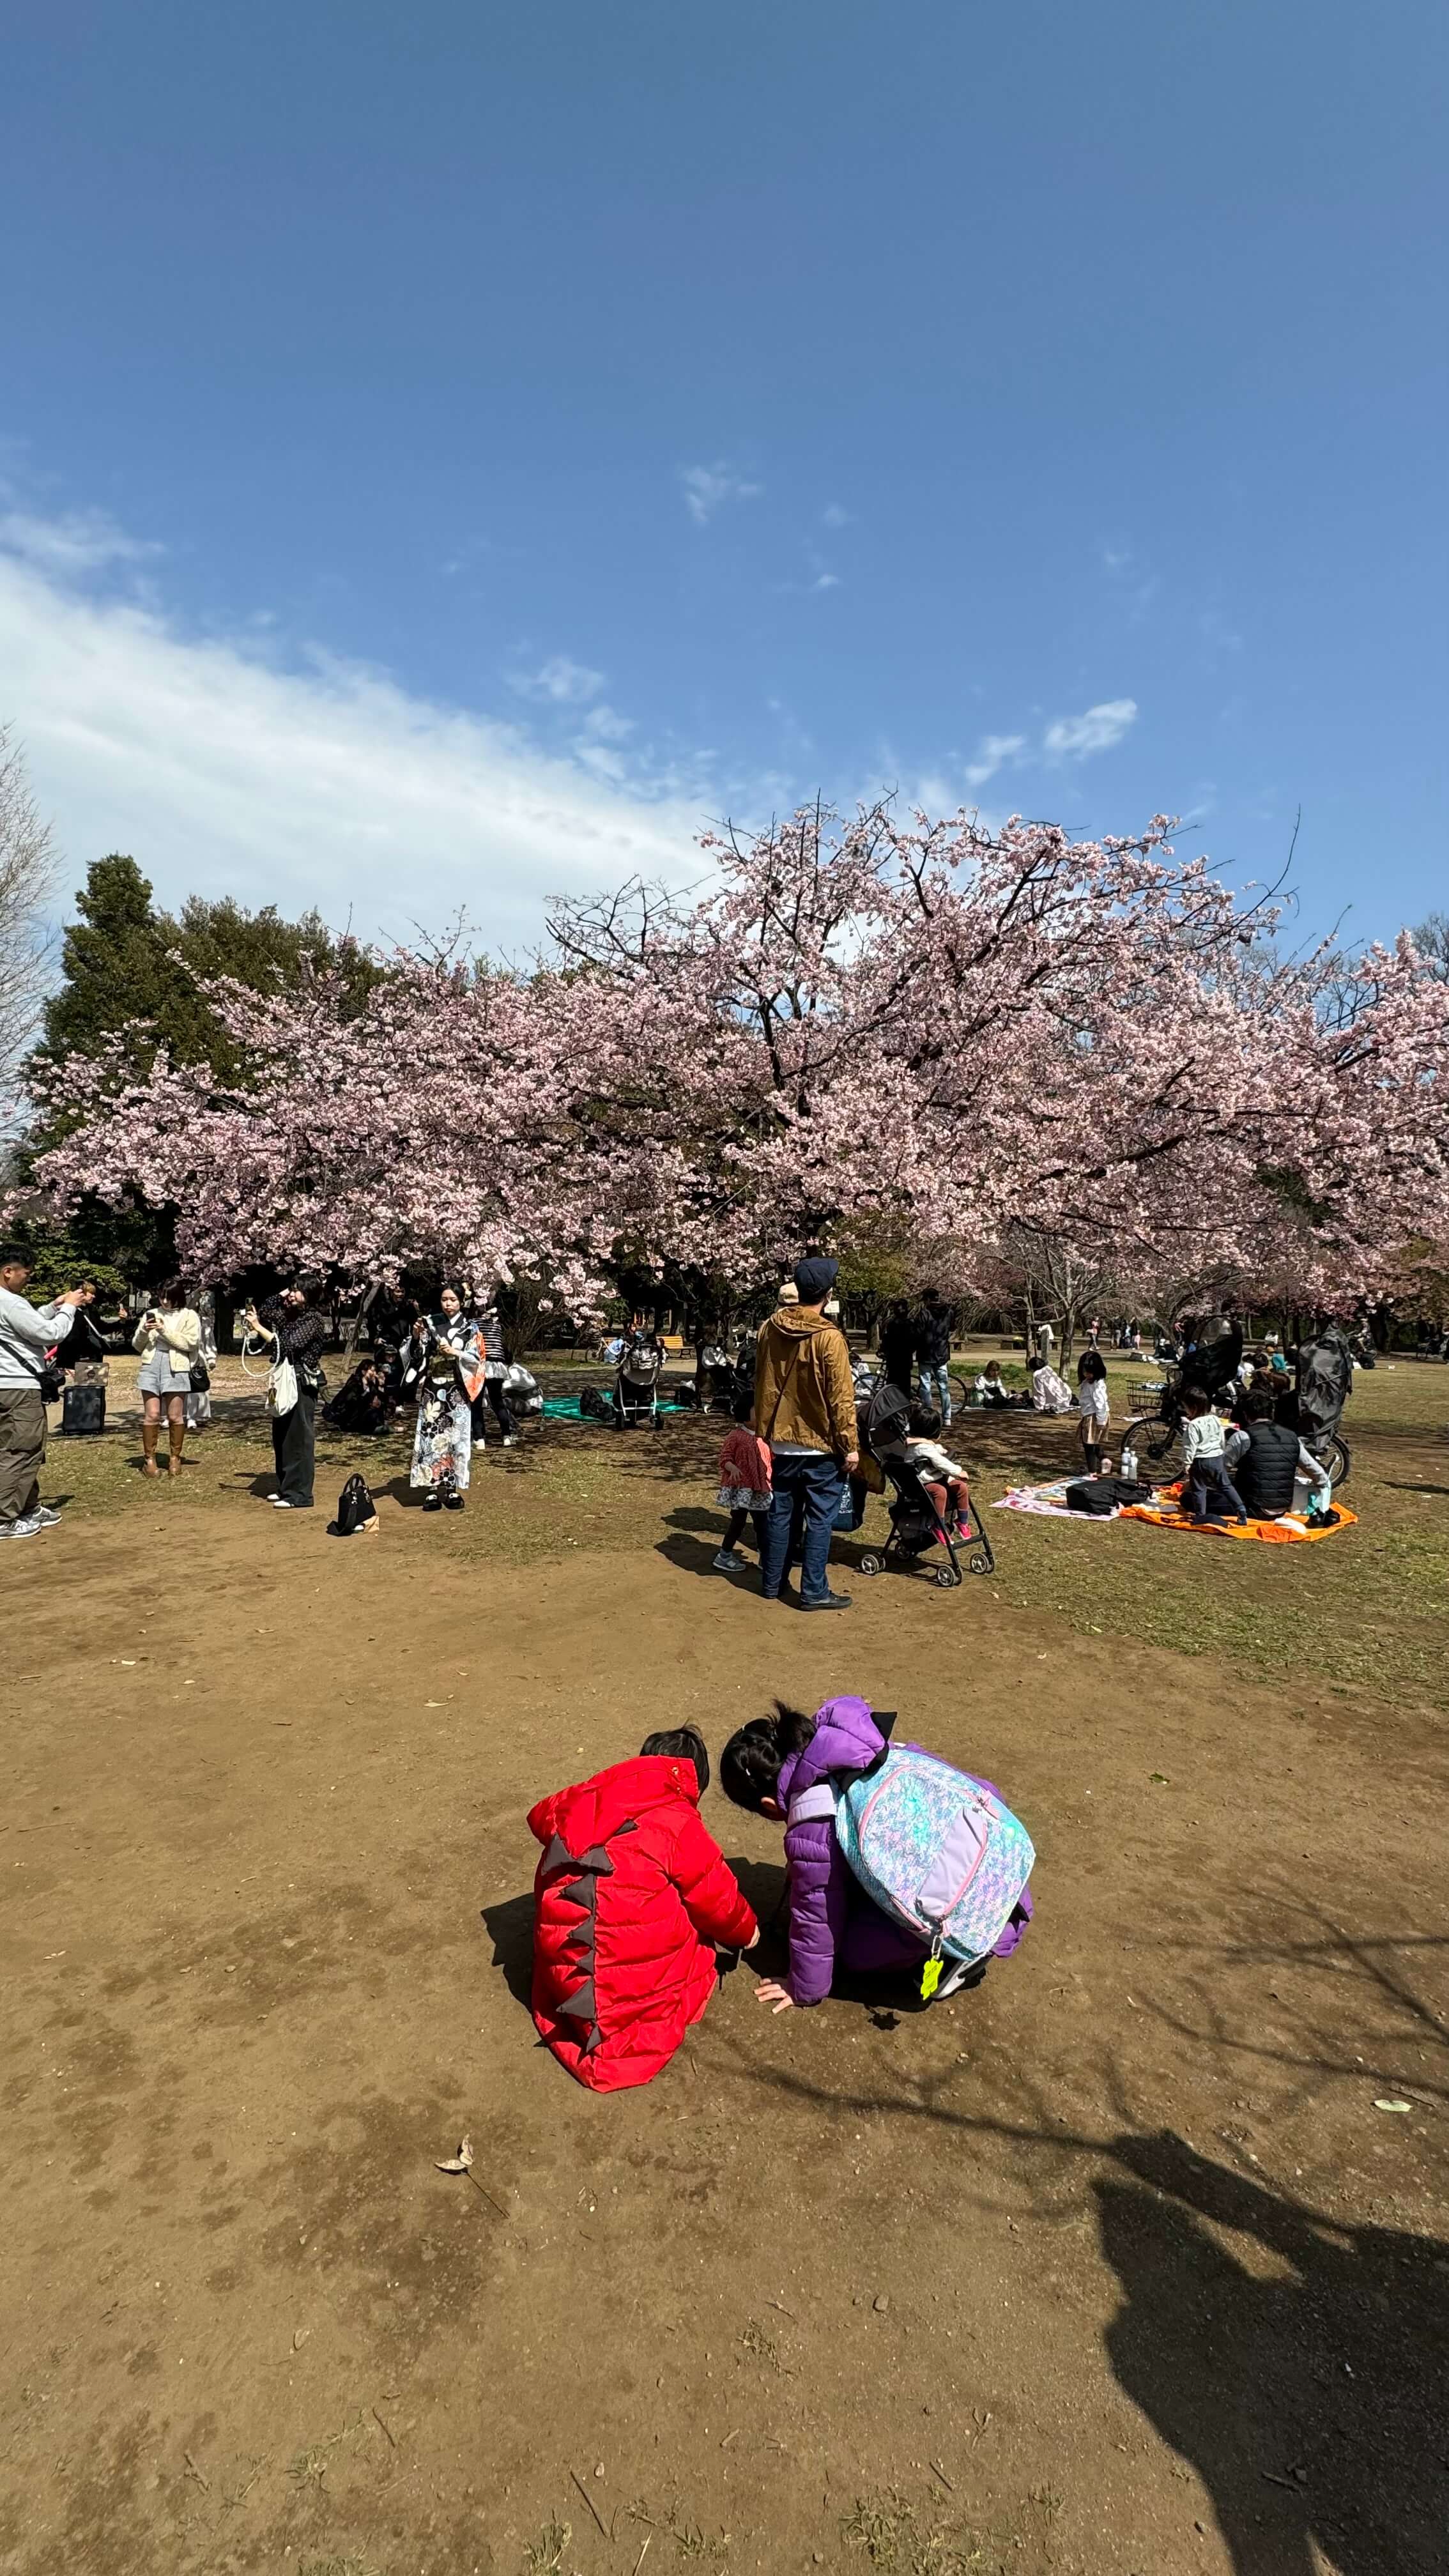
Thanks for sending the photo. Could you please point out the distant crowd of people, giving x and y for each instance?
(792, 1466)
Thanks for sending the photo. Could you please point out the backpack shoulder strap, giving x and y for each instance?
(812, 1804)
(784, 1385)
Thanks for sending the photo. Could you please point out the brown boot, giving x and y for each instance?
(178, 1443)
(150, 1434)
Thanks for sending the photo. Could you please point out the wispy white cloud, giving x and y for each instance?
(992, 753)
(708, 487)
(826, 581)
(607, 725)
(566, 683)
(228, 766)
(1099, 729)
(834, 516)
(79, 541)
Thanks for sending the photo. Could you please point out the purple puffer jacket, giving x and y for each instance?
(832, 1920)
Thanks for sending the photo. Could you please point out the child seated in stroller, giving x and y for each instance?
(932, 1506)
(947, 1483)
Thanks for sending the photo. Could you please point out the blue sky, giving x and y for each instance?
(447, 454)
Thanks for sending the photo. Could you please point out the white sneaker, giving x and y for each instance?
(278, 1505)
(21, 1529)
(44, 1517)
(510, 1440)
(729, 1561)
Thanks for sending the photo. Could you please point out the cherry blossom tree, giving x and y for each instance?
(883, 1023)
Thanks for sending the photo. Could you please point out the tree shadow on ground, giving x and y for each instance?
(1298, 2360)
(1311, 2398)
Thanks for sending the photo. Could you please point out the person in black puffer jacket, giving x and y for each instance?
(1265, 1457)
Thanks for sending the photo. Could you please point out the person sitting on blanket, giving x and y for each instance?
(1265, 1459)
(1050, 1393)
(991, 1388)
(1205, 1478)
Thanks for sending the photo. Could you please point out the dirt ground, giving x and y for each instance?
(1114, 2265)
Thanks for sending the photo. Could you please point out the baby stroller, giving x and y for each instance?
(522, 1390)
(636, 1387)
(916, 1525)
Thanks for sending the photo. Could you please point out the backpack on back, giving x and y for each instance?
(937, 1850)
(356, 1510)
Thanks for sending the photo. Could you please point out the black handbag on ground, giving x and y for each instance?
(356, 1510)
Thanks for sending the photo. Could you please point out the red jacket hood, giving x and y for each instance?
(593, 1809)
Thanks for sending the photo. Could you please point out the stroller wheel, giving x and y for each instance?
(870, 1565)
(947, 1578)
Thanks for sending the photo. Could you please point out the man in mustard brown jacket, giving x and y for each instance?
(805, 1409)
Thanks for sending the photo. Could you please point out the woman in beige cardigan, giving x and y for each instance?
(168, 1338)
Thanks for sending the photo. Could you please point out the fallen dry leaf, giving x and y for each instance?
(461, 2161)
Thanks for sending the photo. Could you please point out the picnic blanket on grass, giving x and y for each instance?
(565, 1408)
(1050, 1502)
(1165, 1515)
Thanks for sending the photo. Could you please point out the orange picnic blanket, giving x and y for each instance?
(1164, 1515)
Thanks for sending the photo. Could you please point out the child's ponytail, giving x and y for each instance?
(749, 1766)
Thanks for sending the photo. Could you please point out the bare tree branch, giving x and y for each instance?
(28, 862)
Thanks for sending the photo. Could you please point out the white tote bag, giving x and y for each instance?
(281, 1387)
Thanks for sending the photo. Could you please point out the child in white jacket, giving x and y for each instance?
(945, 1480)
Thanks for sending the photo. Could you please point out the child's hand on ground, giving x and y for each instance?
(778, 1997)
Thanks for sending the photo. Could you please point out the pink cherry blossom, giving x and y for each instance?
(895, 1021)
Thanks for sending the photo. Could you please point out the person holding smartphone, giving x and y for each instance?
(168, 1338)
(296, 1332)
(27, 1335)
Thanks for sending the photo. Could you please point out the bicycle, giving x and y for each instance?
(1153, 1437)
(1333, 1452)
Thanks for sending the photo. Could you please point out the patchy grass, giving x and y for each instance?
(1369, 1611)
(545, 2556)
(885, 2530)
(690, 2539)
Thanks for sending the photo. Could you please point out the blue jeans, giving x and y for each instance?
(810, 1484)
(936, 1390)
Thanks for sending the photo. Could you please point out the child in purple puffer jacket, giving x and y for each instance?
(767, 1767)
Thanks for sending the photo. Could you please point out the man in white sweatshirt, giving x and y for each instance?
(26, 1333)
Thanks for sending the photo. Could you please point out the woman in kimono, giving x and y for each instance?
(445, 1369)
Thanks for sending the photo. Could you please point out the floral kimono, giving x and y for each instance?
(446, 1387)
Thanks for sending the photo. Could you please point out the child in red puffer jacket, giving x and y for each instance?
(632, 1898)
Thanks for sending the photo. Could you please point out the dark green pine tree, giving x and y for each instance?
(127, 966)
